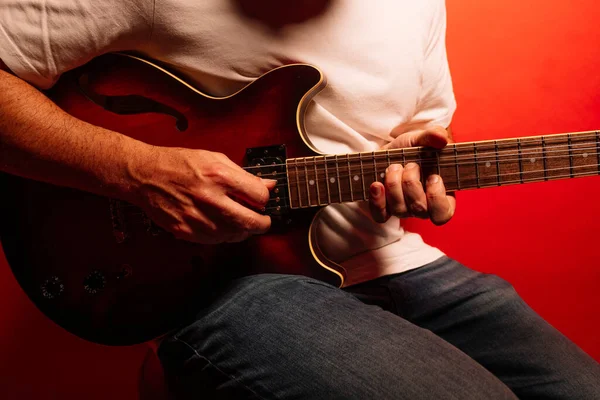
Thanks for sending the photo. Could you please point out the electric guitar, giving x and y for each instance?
(99, 267)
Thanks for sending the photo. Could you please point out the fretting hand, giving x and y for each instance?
(403, 195)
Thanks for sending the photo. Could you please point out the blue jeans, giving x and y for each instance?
(441, 331)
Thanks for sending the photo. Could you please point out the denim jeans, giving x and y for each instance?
(441, 331)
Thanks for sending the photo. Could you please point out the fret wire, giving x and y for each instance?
(497, 163)
(457, 171)
(476, 166)
(403, 158)
(337, 171)
(317, 181)
(430, 161)
(597, 147)
(528, 172)
(387, 154)
(306, 179)
(544, 158)
(350, 177)
(520, 159)
(570, 154)
(362, 176)
(375, 167)
(437, 157)
(421, 166)
(592, 147)
(327, 179)
(298, 183)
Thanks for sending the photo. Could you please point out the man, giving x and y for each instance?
(415, 324)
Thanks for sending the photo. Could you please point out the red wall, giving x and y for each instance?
(520, 68)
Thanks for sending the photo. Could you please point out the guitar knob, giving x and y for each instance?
(52, 288)
(94, 282)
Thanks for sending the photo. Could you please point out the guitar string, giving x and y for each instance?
(464, 182)
(427, 162)
(367, 168)
(502, 183)
(369, 156)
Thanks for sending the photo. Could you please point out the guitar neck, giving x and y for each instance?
(323, 180)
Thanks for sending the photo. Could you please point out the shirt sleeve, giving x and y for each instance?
(437, 103)
(41, 39)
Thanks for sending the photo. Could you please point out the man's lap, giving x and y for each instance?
(276, 336)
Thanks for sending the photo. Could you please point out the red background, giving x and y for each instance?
(519, 68)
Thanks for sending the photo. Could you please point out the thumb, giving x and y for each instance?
(269, 183)
(435, 137)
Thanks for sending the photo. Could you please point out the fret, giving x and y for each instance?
(476, 165)
(296, 195)
(421, 162)
(332, 181)
(446, 163)
(457, 169)
(497, 163)
(598, 149)
(584, 157)
(324, 184)
(343, 178)
(570, 154)
(362, 176)
(467, 166)
(316, 177)
(339, 184)
(381, 165)
(350, 177)
(374, 168)
(508, 154)
(533, 162)
(557, 157)
(306, 182)
(437, 160)
(387, 155)
(544, 157)
(403, 158)
(356, 182)
(487, 165)
(520, 160)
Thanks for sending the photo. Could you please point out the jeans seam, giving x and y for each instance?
(217, 368)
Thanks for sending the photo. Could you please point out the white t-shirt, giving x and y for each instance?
(385, 62)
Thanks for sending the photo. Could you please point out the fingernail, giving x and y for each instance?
(375, 190)
(267, 181)
(410, 165)
(433, 179)
(393, 168)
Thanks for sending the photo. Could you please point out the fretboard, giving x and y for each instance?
(322, 180)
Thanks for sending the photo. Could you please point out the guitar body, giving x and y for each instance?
(96, 266)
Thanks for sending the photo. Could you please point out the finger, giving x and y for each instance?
(393, 191)
(251, 189)
(435, 137)
(239, 237)
(377, 203)
(441, 206)
(414, 194)
(244, 219)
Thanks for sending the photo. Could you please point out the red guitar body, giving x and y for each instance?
(95, 266)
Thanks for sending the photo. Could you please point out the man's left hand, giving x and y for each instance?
(403, 195)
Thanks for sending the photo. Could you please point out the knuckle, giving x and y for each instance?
(418, 208)
(399, 209)
(181, 231)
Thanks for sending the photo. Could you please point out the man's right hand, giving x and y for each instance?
(200, 196)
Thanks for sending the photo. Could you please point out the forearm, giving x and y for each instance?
(40, 141)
